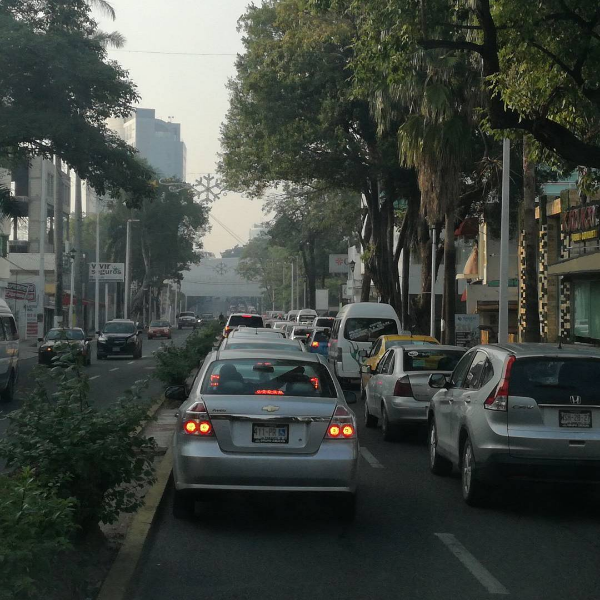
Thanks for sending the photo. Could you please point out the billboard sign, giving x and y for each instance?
(338, 263)
(20, 291)
(107, 271)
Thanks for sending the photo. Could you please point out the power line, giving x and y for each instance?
(176, 53)
(231, 233)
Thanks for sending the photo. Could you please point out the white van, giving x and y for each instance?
(9, 353)
(306, 315)
(291, 315)
(355, 329)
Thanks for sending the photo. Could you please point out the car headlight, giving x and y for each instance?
(102, 340)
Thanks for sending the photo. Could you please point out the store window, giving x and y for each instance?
(586, 306)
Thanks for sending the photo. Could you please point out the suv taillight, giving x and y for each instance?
(196, 421)
(498, 399)
(403, 388)
(342, 425)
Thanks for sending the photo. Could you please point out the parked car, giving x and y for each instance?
(159, 328)
(261, 343)
(355, 329)
(242, 320)
(517, 410)
(264, 420)
(398, 393)
(187, 319)
(381, 346)
(60, 341)
(9, 353)
(300, 332)
(119, 337)
(318, 342)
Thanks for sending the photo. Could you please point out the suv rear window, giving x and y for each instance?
(556, 380)
(369, 329)
(431, 360)
(320, 336)
(246, 320)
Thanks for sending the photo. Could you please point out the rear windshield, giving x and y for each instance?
(269, 378)
(160, 324)
(187, 314)
(119, 328)
(246, 320)
(65, 334)
(556, 380)
(324, 322)
(263, 346)
(395, 343)
(369, 329)
(300, 331)
(321, 337)
(431, 360)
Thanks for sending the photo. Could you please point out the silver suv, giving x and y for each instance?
(528, 411)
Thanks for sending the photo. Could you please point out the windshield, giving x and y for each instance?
(65, 334)
(365, 329)
(268, 377)
(187, 314)
(396, 343)
(431, 360)
(119, 328)
(160, 324)
(302, 332)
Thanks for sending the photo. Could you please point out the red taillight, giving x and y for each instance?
(269, 392)
(315, 382)
(247, 316)
(196, 421)
(498, 399)
(315, 344)
(403, 388)
(342, 425)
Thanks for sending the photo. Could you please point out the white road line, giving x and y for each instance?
(130, 363)
(94, 377)
(487, 580)
(115, 369)
(370, 458)
(149, 368)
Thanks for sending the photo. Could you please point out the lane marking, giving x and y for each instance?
(370, 458)
(94, 377)
(149, 368)
(478, 571)
(115, 369)
(130, 363)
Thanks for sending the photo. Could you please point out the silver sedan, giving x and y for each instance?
(267, 421)
(398, 393)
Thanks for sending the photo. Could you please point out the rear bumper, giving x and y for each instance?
(201, 465)
(107, 350)
(406, 410)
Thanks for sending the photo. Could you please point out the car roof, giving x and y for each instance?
(261, 340)
(527, 350)
(433, 347)
(299, 356)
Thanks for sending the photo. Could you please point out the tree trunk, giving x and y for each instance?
(58, 244)
(365, 288)
(404, 291)
(312, 275)
(78, 264)
(449, 275)
(530, 239)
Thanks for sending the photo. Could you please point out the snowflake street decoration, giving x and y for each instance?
(221, 268)
(209, 187)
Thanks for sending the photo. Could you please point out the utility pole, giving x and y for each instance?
(292, 290)
(504, 233)
(433, 278)
(78, 286)
(42, 270)
(128, 266)
(97, 281)
(58, 244)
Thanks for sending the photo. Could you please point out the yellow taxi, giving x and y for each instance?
(384, 343)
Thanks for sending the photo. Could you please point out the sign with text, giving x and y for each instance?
(20, 291)
(107, 271)
(338, 263)
(467, 330)
(582, 220)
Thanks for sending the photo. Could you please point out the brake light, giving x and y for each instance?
(403, 388)
(498, 399)
(315, 344)
(269, 392)
(214, 381)
(196, 421)
(315, 382)
(247, 316)
(342, 425)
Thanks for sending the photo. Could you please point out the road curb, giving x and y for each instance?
(117, 581)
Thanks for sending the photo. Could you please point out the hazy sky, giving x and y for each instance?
(191, 89)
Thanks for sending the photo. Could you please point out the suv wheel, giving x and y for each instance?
(473, 490)
(438, 465)
(389, 431)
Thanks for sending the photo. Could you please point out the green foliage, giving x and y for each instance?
(93, 456)
(35, 525)
(175, 363)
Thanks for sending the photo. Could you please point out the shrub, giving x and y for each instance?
(93, 456)
(35, 525)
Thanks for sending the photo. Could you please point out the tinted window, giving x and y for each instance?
(187, 314)
(65, 334)
(472, 380)
(302, 332)
(368, 329)
(385, 361)
(555, 380)
(460, 372)
(246, 320)
(10, 328)
(324, 322)
(3, 337)
(396, 343)
(320, 337)
(160, 324)
(431, 360)
(376, 348)
(488, 373)
(275, 378)
(116, 327)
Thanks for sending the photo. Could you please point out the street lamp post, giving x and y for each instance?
(72, 255)
(504, 246)
(128, 266)
(352, 265)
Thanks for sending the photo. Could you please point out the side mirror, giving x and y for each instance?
(176, 392)
(365, 369)
(351, 397)
(438, 381)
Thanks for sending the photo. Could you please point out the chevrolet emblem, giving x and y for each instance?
(271, 408)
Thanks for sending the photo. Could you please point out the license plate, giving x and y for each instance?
(270, 434)
(116, 349)
(575, 418)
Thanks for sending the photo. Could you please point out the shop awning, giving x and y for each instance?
(586, 263)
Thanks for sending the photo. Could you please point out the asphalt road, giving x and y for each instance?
(413, 539)
(108, 378)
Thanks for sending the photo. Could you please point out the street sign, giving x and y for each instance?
(467, 330)
(20, 291)
(108, 271)
(338, 263)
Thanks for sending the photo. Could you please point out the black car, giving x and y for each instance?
(119, 337)
(60, 341)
